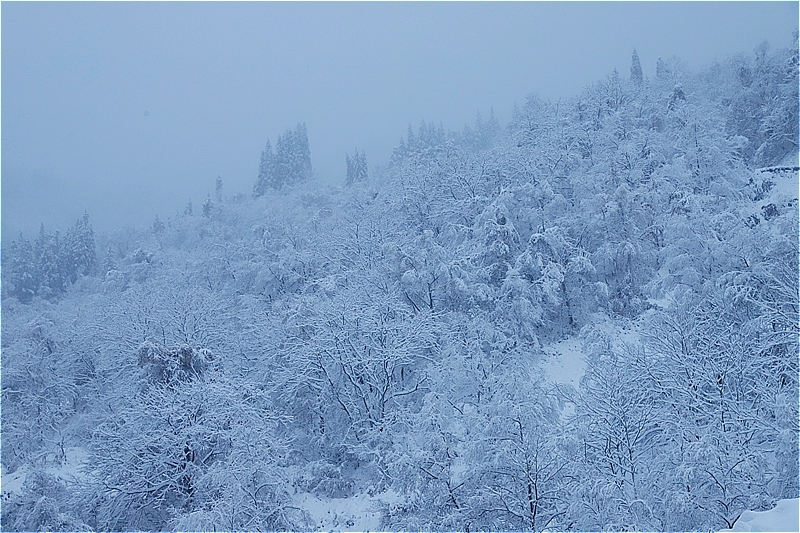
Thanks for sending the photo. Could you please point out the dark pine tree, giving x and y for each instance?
(158, 226)
(356, 167)
(79, 256)
(21, 275)
(219, 189)
(290, 164)
(266, 172)
(49, 264)
(636, 69)
(208, 206)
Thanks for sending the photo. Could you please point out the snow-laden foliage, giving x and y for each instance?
(291, 162)
(383, 342)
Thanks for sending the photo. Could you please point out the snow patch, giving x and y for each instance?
(360, 512)
(565, 363)
(11, 483)
(69, 470)
(783, 517)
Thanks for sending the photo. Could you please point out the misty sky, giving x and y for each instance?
(128, 110)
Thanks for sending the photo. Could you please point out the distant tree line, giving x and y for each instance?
(356, 167)
(290, 163)
(51, 263)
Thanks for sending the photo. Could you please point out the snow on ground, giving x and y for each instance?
(360, 512)
(564, 360)
(784, 187)
(70, 469)
(13, 482)
(565, 363)
(783, 517)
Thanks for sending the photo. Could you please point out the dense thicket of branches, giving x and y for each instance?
(390, 335)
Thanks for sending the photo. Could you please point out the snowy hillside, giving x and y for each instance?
(584, 320)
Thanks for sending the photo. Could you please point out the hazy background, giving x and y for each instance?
(128, 110)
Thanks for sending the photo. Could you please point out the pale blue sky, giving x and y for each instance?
(127, 110)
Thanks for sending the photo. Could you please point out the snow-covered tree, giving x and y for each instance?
(356, 167)
(190, 446)
(636, 69)
(218, 189)
(290, 164)
(80, 255)
(208, 206)
(20, 275)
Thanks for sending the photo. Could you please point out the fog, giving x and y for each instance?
(128, 110)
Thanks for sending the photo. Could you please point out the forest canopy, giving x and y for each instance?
(387, 341)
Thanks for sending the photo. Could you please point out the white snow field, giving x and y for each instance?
(359, 512)
(69, 469)
(783, 517)
(565, 363)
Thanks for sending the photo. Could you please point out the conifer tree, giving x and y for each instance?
(636, 69)
(662, 71)
(356, 167)
(158, 226)
(79, 254)
(208, 206)
(302, 154)
(290, 164)
(47, 253)
(219, 189)
(292, 157)
(266, 172)
(109, 261)
(486, 131)
(21, 273)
